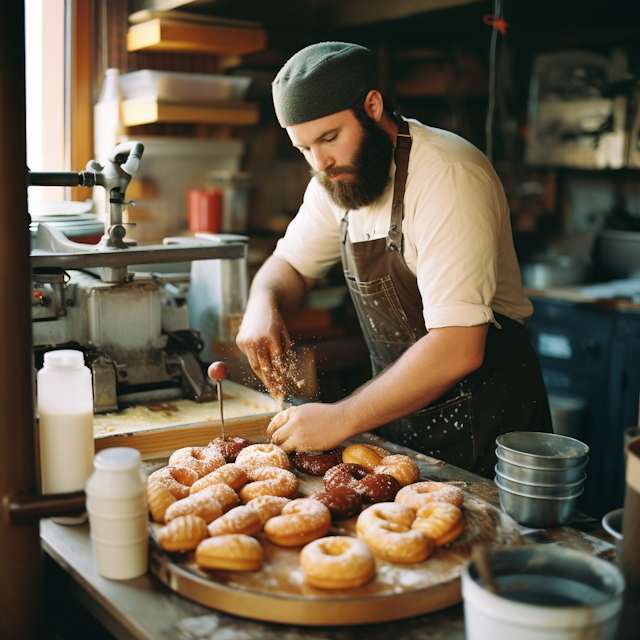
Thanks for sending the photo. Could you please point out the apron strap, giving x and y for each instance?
(403, 147)
(344, 225)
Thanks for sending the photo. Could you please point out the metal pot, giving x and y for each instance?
(554, 271)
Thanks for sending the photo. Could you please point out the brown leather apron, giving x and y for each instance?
(505, 394)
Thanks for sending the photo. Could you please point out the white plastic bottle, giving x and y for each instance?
(65, 411)
(108, 129)
(118, 516)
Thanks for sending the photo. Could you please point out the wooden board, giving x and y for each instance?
(278, 593)
(136, 111)
(162, 34)
(161, 428)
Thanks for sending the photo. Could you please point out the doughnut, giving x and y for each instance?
(159, 499)
(342, 503)
(209, 504)
(378, 487)
(443, 522)
(402, 468)
(229, 447)
(239, 520)
(345, 476)
(316, 463)
(386, 528)
(421, 493)
(302, 521)
(182, 534)
(233, 552)
(269, 481)
(268, 506)
(367, 455)
(201, 459)
(337, 562)
(263, 455)
(231, 474)
(175, 478)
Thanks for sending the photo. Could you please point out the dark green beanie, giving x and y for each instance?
(320, 80)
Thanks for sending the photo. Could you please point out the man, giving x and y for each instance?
(420, 221)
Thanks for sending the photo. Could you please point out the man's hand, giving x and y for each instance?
(308, 427)
(264, 339)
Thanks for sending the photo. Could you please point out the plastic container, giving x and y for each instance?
(171, 86)
(543, 594)
(236, 190)
(65, 411)
(204, 210)
(118, 517)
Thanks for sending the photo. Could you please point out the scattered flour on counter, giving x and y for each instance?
(400, 577)
(296, 576)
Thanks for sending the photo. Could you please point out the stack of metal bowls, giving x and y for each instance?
(540, 476)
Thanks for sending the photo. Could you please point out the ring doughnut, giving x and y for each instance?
(337, 562)
(201, 459)
(302, 521)
(209, 504)
(182, 534)
(229, 447)
(241, 519)
(386, 528)
(270, 481)
(175, 478)
(402, 468)
(316, 463)
(268, 506)
(342, 503)
(233, 552)
(420, 494)
(367, 455)
(230, 474)
(345, 475)
(263, 455)
(377, 487)
(159, 499)
(443, 522)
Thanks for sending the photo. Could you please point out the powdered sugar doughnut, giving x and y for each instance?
(367, 455)
(232, 475)
(441, 521)
(420, 494)
(317, 463)
(268, 507)
(337, 562)
(176, 479)
(233, 552)
(270, 481)
(302, 521)
(183, 533)
(201, 459)
(402, 468)
(345, 476)
(159, 499)
(241, 519)
(229, 447)
(263, 455)
(386, 528)
(208, 504)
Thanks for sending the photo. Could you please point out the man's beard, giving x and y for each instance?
(369, 171)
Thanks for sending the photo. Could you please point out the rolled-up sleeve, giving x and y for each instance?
(458, 219)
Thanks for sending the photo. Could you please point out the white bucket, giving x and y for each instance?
(544, 594)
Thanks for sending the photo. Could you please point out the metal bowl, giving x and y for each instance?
(534, 511)
(542, 490)
(542, 450)
(533, 475)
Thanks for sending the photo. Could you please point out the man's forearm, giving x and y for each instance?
(425, 371)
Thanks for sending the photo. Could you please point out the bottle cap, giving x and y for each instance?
(64, 359)
(117, 459)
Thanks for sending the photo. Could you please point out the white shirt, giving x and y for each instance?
(457, 232)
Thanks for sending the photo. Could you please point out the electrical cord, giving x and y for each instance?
(499, 25)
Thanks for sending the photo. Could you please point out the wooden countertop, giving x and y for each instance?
(144, 609)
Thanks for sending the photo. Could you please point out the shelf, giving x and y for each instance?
(163, 34)
(146, 110)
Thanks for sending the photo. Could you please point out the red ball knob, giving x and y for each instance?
(218, 371)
